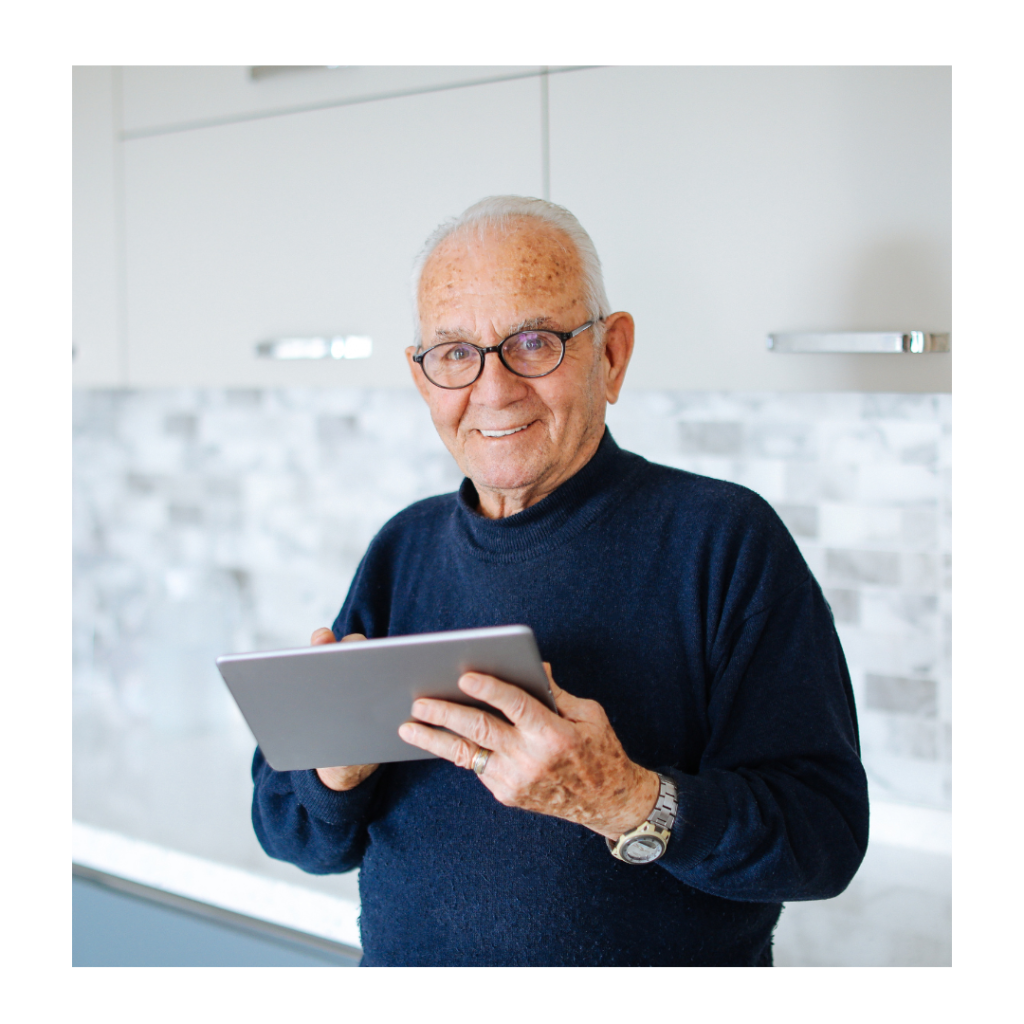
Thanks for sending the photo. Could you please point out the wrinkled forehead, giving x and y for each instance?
(528, 265)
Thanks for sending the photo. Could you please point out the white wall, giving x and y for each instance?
(726, 203)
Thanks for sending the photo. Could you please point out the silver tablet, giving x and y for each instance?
(335, 704)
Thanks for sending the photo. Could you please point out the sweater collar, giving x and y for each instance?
(554, 519)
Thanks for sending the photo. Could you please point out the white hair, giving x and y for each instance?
(500, 213)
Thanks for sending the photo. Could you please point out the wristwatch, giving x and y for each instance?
(647, 842)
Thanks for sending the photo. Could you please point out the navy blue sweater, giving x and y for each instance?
(682, 605)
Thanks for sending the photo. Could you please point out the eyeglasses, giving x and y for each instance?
(457, 364)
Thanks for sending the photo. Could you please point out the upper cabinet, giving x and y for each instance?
(158, 99)
(727, 203)
(306, 225)
(214, 211)
(95, 286)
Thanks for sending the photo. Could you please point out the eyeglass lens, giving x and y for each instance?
(529, 354)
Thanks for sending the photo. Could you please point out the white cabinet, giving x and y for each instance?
(212, 212)
(730, 202)
(95, 295)
(306, 224)
(157, 98)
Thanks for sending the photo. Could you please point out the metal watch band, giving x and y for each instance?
(661, 819)
(665, 810)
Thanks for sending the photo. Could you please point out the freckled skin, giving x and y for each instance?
(570, 765)
(480, 287)
(477, 287)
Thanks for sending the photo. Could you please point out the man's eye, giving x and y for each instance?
(529, 343)
(457, 354)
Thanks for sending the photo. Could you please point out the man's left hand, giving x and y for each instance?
(571, 767)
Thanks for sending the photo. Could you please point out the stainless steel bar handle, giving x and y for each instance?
(859, 341)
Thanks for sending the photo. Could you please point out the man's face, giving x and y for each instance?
(481, 290)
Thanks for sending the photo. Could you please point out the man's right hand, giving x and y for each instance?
(346, 776)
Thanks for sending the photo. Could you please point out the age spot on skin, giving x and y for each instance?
(535, 261)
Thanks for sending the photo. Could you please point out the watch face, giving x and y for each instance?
(643, 849)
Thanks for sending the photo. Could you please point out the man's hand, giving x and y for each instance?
(344, 776)
(571, 767)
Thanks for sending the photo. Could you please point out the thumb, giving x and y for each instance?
(322, 636)
(555, 688)
(564, 700)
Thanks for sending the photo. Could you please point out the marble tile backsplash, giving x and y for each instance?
(208, 521)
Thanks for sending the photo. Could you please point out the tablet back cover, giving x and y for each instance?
(342, 704)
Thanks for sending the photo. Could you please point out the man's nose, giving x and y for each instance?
(497, 385)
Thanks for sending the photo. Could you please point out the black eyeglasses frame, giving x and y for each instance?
(562, 336)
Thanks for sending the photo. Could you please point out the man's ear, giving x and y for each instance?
(617, 349)
(418, 377)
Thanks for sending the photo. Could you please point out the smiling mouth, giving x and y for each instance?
(502, 433)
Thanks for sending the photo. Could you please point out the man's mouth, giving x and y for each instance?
(502, 433)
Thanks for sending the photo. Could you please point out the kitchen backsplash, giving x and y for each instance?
(208, 521)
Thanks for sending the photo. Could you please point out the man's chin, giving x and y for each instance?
(503, 466)
(505, 476)
(503, 483)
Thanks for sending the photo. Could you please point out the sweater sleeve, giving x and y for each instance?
(777, 810)
(298, 819)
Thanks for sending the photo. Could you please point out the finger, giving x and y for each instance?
(435, 741)
(555, 688)
(556, 691)
(551, 678)
(322, 636)
(352, 637)
(516, 704)
(483, 729)
(568, 706)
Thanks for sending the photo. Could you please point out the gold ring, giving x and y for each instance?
(480, 761)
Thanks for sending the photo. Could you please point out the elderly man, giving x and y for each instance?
(703, 767)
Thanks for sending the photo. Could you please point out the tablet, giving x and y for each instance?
(342, 704)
